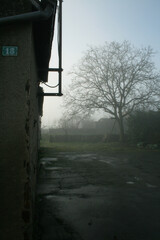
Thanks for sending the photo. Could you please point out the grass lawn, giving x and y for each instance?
(88, 147)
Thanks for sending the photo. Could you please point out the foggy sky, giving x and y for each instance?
(92, 22)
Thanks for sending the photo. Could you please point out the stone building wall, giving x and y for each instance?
(18, 132)
(20, 108)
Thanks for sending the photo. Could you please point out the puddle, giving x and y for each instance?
(131, 183)
(49, 159)
(50, 196)
(107, 161)
(137, 178)
(86, 191)
(82, 157)
(150, 185)
(52, 168)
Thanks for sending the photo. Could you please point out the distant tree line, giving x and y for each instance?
(140, 127)
(144, 126)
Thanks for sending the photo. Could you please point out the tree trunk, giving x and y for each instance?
(121, 130)
(66, 135)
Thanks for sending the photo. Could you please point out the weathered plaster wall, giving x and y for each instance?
(18, 132)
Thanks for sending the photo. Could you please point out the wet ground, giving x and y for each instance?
(99, 197)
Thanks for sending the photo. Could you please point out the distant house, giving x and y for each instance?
(107, 126)
(88, 124)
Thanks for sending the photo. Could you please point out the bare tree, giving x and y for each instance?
(116, 78)
(67, 122)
